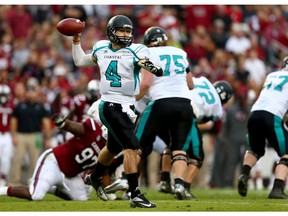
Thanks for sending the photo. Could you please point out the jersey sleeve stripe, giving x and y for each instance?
(134, 52)
(92, 124)
(99, 48)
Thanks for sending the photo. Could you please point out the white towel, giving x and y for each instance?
(126, 109)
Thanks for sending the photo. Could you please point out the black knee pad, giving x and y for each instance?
(146, 151)
(179, 157)
(253, 153)
(283, 161)
(166, 152)
(197, 163)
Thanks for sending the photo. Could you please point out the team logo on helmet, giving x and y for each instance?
(224, 90)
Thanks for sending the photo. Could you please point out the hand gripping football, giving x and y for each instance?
(70, 26)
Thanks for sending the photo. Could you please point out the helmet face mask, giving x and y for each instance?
(285, 62)
(122, 23)
(224, 90)
(155, 36)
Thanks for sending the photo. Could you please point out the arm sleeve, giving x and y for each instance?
(80, 57)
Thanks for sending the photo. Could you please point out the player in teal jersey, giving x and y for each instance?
(119, 61)
(266, 123)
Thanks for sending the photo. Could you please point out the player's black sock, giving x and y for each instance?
(179, 181)
(165, 176)
(278, 183)
(246, 169)
(133, 183)
(98, 172)
(187, 185)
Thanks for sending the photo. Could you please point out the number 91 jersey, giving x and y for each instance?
(80, 153)
(119, 71)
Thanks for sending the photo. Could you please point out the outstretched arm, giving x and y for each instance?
(145, 83)
(79, 56)
(149, 66)
(65, 124)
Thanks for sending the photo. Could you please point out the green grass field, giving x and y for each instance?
(213, 200)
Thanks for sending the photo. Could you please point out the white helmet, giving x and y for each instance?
(93, 90)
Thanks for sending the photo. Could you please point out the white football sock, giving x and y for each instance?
(3, 191)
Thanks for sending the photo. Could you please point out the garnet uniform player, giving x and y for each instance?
(82, 102)
(78, 154)
(6, 145)
(63, 103)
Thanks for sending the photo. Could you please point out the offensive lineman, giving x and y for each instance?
(266, 122)
(207, 100)
(169, 108)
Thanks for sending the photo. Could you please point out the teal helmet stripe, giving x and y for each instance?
(279, 134)
(103, 119)
(143, 120)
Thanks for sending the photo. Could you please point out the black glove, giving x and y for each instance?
(156, 70)
(58, 120)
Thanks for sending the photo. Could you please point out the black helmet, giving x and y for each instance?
(119, 22)
(93, 91)
(4, 93)
(285, 62)
(154, 35)
(224, 90)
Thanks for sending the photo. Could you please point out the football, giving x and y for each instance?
(70, 26)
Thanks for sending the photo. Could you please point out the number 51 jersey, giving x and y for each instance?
(80, 153)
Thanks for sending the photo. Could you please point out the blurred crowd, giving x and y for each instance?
(238, 43)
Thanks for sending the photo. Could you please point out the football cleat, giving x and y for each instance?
(165, 187)
(126, 195)
(140, 201)
(243, 184)
(119, 184)
(111, 196)
(179, 192)
(97, 186)
(189, 196)
(277, 194)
